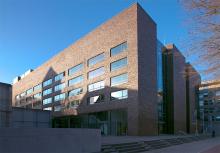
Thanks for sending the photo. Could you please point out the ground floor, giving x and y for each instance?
(110, 122)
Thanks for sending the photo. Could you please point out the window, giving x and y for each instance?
(118, 49)
(95, 99)
(47, 83)
(94, 60)
(122, 94)
(48, 108)
(75, 80)
(217, 93)
(73, 104)
(29, 91)
(75, 69)
(58, 108)
(23, 94)
(120, 79)
(75, 92)
(37, 96)
(59, 77)
(37, 87)
(47, 101)
(59, 87)
(118, 64)
(96, 73)
(60, 97)
(47, 91)
(17, 97)
(96, 86)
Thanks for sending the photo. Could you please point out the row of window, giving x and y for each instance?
(117, 95)
(92, 74)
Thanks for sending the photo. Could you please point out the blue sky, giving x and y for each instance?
(32, 31)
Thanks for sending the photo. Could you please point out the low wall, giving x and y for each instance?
(49, 140)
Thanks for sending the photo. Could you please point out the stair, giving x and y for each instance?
(143, 146)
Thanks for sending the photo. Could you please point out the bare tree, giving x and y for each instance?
(204, 30)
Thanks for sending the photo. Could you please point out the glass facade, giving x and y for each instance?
(96, 86)
(75, 80)
(75, 92)
(60, 97)
(59, 87)
(94, 60)
(47, 83)
(120, 79)
(122, 94)
(95, 73)
(75, 69)
(118, 64)
(118, 49)
(47, 91)
(47, 101)
(59, 77)
(95, 99)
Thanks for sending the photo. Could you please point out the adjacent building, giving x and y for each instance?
(118, 78)
(209, 102)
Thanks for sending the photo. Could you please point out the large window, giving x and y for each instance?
(59, 77)
(47, 101)
(37, 87)
(94, 60)
(96, 86)
(118, 49)
(118, 64)
(47, 91)
(37, 96)
(76, 80)
(75, 69)
(120, 79)
(47, 83)
(96, 99)
(60, 97)
(96, 73)
(122, 94)
(29, 91)
(23, 94)
(75, 92)
(59, 87)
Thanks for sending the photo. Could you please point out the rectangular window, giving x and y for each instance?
(59, 87)
(217, 93)
(60, 97)
(47, 83)
(59, 77)
(122, 94)
(58, 108)
(118, 49)
(75, 69)
(76, 80)
(75, 92)
(94, 60)
(96, 86)
(29, 91)
(37, 96)
(73, 104)
(47, 101)
(23, 94)
(47, 91)
(120, 79)
(37, 87)
(95, 73)
(118, 64)
(95, 99)
(48, 108)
